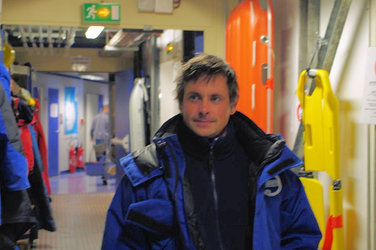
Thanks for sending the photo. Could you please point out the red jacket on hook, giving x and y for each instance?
(42, 145)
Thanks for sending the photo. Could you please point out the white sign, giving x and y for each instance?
(80, 63)
(53, 110)
(368, 111)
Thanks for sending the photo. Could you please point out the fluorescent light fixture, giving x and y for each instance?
(93, 32)
(93, 77)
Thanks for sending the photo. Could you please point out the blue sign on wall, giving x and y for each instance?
(70, 111)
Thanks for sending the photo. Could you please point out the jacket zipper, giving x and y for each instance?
(215, 195)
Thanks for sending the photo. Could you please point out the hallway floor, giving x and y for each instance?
(79, 205)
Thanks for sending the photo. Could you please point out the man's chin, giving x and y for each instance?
(203, 133)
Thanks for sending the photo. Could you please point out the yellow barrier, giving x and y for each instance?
(321, 152)
(320, 119)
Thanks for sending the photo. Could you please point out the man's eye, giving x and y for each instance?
(193, 97)
(215, 98)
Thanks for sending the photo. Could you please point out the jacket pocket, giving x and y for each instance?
(154, 216)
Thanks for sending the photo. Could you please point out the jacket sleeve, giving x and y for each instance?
(118, 234)
(298, 223)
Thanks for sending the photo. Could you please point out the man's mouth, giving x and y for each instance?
(203, 122)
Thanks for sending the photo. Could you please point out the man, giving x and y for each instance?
(211, 179)
(99, 132)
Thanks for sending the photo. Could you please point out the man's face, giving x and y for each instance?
(206, 106)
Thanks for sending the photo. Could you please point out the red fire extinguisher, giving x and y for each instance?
(72, 160)
(80, 157)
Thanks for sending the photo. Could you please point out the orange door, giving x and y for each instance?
(249, 50)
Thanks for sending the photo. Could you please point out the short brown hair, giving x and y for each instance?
(209, 66)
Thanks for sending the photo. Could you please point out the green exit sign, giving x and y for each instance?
(101, 13)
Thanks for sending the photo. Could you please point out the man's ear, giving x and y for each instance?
(233, 105)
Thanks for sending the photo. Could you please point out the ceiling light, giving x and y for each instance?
(93, 32)
(93, 77)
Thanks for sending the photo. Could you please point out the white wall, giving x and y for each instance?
(44, 81)
(347, 79)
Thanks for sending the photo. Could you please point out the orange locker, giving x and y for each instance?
(249, 50)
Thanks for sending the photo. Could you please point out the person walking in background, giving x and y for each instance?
(211, 179)
(99, 132)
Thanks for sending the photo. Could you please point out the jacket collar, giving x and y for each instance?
(199, 147)
(261, 148)
(141, 165)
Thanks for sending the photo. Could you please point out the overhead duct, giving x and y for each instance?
(71, 37)
(128, 40)
(39, 36)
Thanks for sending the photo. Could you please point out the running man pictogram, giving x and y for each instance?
(91, 12)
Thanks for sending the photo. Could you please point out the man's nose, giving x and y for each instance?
(204, 107)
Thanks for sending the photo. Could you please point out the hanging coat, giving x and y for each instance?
(42, 145)
(14, 167)
(24, 116)
(15, 208)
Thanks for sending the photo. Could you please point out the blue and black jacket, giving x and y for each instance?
(151, 208)
(13, 166)
(16, 215)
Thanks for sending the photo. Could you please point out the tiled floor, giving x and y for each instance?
(79, 182)
(79, 205)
